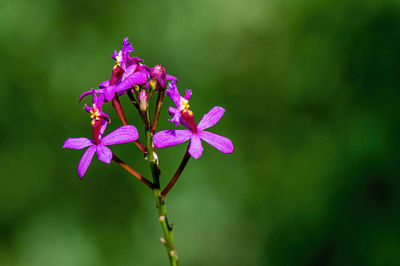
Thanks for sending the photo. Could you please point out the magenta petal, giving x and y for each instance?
(173, 92)
(172, 110)
(168, 138)
(86, 93)
(104, 124)
(77, 143)
(211, 118)
(136, 78)
(104, 84)
(85, 160)
(195, 148)
(104, 153)
(188, 94)
(123, 134)
(83, 95)
(170, 77)
(109, 93)
(219, 142)
(129, 71)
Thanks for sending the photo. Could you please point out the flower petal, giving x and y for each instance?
(170, 77)
(77, 143)
(127, 46)
(176, 117)
(104, 153)
(85, 160)
(104, 84)
(219, 142)
(129, 71)
(136, 78)
(172, 110)
(188, 94)
(168, 138)
(109, 92)
(173, 92)
(211, 118)
(104, 124)
(123, 134)
(86, 93)
(195, 148)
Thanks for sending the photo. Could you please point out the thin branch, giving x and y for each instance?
(132, 171)
(141, 146)
(178, 172)
(121, 115)
(118, 108)
(160, 98)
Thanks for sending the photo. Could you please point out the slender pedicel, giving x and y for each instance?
(132, 171)
(118, 109)
(177, 174)
(160, 99)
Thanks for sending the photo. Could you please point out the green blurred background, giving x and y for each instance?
(311, 90)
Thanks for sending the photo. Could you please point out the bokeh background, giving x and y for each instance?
(311, 90)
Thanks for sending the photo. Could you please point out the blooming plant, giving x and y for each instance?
(131, 77)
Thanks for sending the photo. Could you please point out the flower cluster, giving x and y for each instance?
(131, 76)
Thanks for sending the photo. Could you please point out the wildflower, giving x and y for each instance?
(110, 87)
(96, 110)
(196, 133)
(124, 60)
(121, 135)
(182, 103)
(143, 100)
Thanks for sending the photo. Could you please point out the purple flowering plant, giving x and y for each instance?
(131, 77)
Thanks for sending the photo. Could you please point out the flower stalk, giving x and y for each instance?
(132, 171)
(132, 77)
(152, 157)
(160, 99)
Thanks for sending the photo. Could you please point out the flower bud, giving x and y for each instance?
(116, 74)
(158, 74)
(143, 100)
(153, 84)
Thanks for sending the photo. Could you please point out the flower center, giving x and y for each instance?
(118, 58)
(184, 105)
(95, 113)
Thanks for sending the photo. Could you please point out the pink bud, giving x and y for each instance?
(143, 100)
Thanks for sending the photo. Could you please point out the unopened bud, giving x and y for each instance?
(163, 240)
(143, 100)
(153, 84)
(116, 74)
(158, 73)
(161, 218)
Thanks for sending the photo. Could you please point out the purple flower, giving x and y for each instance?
(181, 103)
(196, 133)
(124, 60)
(96, 111)
(118, 84)
(121, 135)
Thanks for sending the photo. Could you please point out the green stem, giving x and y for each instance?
(168, 239)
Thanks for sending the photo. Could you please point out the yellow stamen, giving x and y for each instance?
(184, 105)
(95, 114)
